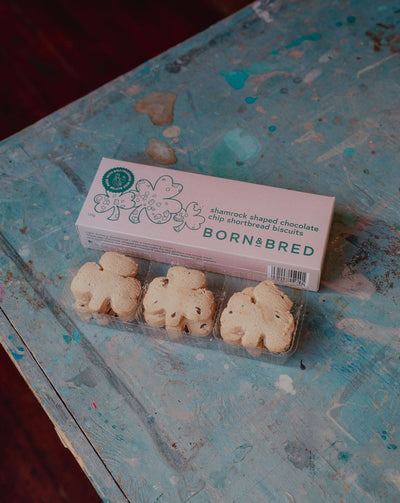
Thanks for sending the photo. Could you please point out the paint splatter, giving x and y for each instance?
(236, 78)
(344, 456)
(161, 152)
(243, 145)
(328, 56)
(262, 13)
(393, 476)
(299, 455)
(356, 285)
(285, 383)
(367, 330)
(348, 151)
(296, 54)
(375, 460)
(250, 99)
(272, 128)
(87, 378)
(18, 355)
(313, 37)
(312, 75)
(311, 135)
(94, 404)
(77, 336)
(159, 106)
(172, 132)
(133, 89)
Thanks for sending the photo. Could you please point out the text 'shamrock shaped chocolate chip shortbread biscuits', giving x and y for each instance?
(107, 289)
(259, 317)
(180, 301)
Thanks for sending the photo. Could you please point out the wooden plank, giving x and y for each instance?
(64, 423)
(290, 94)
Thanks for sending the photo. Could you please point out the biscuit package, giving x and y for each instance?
(197, 221)
(169, 301)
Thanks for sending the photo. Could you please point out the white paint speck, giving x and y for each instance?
(200, 356)
(354, 284)
(285, 383)
(393, 476)
(174, 480)
(66, 237)
(328, 56)
(262, 13)
(361, 328)
(226, 366)
(311, 76)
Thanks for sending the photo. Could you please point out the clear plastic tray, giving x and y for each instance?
(222, 287)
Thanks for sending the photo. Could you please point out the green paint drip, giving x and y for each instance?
(348, 151)
(272, 128)
(67, 338)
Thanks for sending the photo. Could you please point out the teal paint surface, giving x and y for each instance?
(200, 424)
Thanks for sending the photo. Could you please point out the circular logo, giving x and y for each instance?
(118, 180)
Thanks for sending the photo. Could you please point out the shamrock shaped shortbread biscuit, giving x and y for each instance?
(180, 301)
(259, 317)
(107, 289)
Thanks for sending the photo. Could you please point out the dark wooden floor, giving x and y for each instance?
(51, 53)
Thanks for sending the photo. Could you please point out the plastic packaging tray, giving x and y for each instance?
(222, 287)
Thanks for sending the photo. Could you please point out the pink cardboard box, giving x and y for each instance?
(226, 226)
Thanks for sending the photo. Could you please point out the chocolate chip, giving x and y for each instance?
(173, 315)
(203, 325)
(198, 310)
(253, 300)
(165, 282)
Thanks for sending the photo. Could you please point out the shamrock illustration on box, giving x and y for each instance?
(189, 217)
(157, 202)
(114, 203)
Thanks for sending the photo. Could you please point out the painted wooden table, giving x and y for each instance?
(296, 94)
